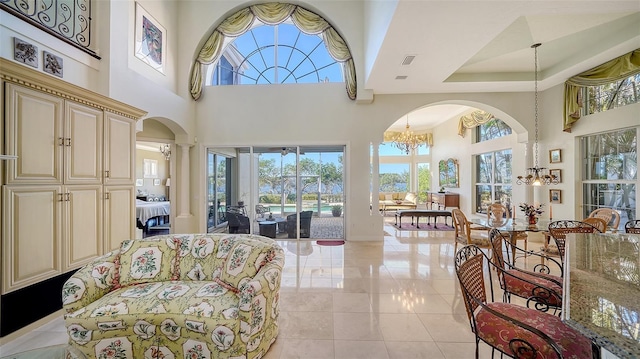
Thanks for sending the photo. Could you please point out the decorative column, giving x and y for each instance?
(184, 206)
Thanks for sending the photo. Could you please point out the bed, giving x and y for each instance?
(150, 214)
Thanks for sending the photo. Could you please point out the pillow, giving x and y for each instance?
(145, 260)
(243, 258)
(410, 197)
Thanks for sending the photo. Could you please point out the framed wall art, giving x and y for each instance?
(555, 196)
(25, 52)
(448, 171)
(150, 39)
(555, 156)
(557, 173)
(52, 64)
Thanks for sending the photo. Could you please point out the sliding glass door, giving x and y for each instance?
(283, 192)
(218, 175)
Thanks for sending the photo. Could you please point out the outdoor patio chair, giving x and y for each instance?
(305, 224)
(261, 210)
(514, 330)
(238, 223)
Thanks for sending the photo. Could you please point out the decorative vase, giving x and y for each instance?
(533, 220)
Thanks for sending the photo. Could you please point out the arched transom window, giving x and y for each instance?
(273, 43)
(275, 55)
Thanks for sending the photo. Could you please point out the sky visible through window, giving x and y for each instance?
(300, 58)
(388, 149)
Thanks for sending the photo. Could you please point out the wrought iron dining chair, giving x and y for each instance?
(512, 329)
(541, 290)
(498, 211)
(559, 229)
(632, 226)
(611, 217)
(466, 233)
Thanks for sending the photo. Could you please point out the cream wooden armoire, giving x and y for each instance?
(67, 192)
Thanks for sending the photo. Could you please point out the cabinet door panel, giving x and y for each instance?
(83, 144)
(31, 230)
(120, 145)
(119, 218)
(83, 217)
(34, 130)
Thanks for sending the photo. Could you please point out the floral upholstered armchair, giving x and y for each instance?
(177, 296)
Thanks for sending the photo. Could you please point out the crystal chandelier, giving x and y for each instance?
(166, 151)
(536, 175)
(407, 141)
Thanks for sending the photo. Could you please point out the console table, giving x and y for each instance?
(444, 200)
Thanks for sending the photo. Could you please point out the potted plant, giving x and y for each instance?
(336, 210)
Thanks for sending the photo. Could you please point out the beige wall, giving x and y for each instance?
(163, 173)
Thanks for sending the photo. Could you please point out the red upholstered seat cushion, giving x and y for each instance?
(524, 288)
(498, 332)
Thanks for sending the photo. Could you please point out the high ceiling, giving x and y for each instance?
(485, 46)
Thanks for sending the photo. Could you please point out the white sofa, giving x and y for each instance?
(397, 200)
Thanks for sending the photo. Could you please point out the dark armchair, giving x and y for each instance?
(305, 224)
(238, 222)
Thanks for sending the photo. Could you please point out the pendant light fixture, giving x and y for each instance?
(407, 141)
(536, 175)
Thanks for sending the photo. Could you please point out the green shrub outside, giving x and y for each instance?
(270, 198)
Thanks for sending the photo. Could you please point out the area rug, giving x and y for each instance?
(424, 227)
(330, 243)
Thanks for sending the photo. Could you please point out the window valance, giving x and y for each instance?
(614, 70)
(472, 120)
(273, 14)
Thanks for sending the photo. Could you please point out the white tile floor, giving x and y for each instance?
(393, 299)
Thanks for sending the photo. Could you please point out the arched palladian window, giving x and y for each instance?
(274, 55)
(272, 14)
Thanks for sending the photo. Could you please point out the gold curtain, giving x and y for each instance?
(273, 14)
(472, 120)
(614, 70)
(427, 138)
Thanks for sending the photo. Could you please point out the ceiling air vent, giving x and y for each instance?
(408, 60)
(401, 77)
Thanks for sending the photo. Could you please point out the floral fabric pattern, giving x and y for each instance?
(145, 260)
(497, 331)
(178, 296)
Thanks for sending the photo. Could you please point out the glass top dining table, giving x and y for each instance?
(602, 290)
(513, 225)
